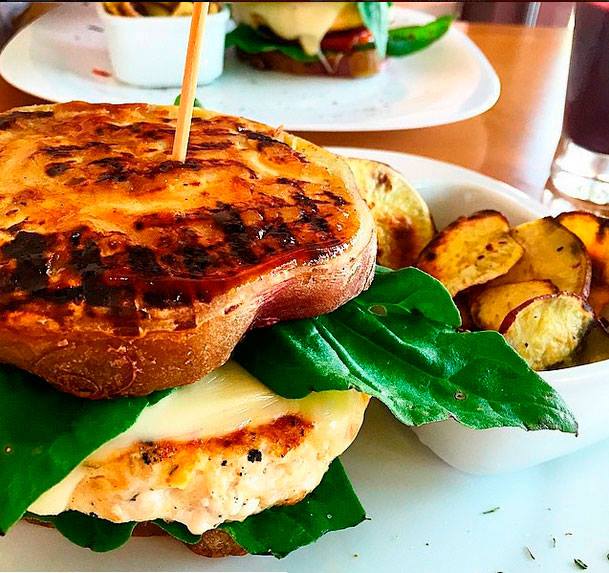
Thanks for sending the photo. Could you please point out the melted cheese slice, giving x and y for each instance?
(307, 22)
(224, 401)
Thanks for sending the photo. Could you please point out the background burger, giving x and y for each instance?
(349, 39)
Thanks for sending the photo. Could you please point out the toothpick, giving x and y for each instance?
(189, 81)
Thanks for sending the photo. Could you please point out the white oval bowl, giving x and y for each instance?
(150, 51)
(452, 191)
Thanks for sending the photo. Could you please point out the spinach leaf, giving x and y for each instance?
(375, 16)
(404, 41)
(87, 531)
(253, 42)
(398, 342)
(45, 434)
(331, 506)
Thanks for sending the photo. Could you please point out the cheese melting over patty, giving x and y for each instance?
(218, 450)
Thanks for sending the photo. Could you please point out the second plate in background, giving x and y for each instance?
(63, 56)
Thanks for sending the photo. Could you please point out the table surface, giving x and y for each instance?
(513, 142)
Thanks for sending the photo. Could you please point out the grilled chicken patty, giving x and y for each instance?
(276, 453)
(124, 272)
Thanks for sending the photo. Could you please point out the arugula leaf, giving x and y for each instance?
(45, 434)
(196, 103)
(404, 41)
(331, 506)
(375, 16)
(252, 42)
(88, 531)
(397, 342)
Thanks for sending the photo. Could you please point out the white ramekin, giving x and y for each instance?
(585, 389)
(150, 51)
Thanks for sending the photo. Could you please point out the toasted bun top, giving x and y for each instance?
(98, 223)
(125, 272)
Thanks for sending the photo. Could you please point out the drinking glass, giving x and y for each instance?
(580, 170)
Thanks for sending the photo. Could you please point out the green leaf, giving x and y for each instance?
(88, 531)
(45, 434)
(178, 531)
(398, 342)
(375, 16)
(253, 42)
(331, 506)
(196, 103)
(404, 41)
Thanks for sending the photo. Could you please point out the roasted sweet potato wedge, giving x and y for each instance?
(551, 252)
(594, 233)
(548, 330)
(403, 222)
(492, 304)
(471, 251)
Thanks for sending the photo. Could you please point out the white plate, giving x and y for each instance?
(425, 516)
(54, 59)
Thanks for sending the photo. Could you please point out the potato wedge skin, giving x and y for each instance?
(471, 251)
(491, 305)
(403, 222)
(551, 252)
(548, 330)
(594, 233)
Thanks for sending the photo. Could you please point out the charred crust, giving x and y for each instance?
(55, 169)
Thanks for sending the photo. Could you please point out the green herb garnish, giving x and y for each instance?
(530, 553)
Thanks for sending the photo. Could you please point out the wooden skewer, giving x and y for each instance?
(189, 80)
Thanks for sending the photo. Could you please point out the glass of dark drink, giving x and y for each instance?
(580, 171)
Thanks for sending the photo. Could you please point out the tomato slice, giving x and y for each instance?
(346, 40)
